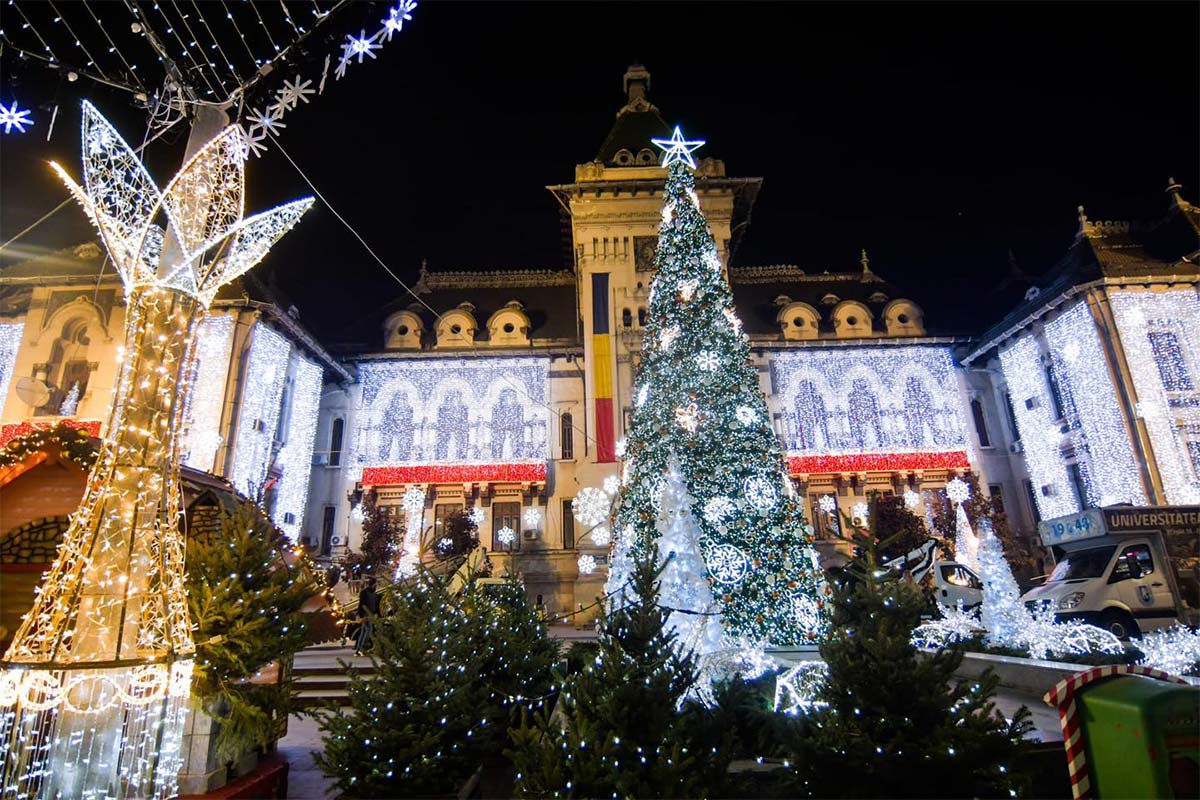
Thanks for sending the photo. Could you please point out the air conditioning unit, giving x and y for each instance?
(531, 534)
(1048, 490)
(335, 540)
(320, 459)
(289, 518)
(259, 425)
(1033, 402)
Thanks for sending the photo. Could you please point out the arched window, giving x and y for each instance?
(641, 317)
(396, 430)
(812, 428)
(508, 427)
(68, 369)
(567, 435)
(866, 429)
(626, 317)
(335, 442)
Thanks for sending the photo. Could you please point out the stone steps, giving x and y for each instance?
(321, 679)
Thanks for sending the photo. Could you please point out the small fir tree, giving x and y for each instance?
(245, 592)
(618, 730)
(453, 671)
(899, 724)
(382, 534)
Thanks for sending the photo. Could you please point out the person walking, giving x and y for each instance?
(368, 609)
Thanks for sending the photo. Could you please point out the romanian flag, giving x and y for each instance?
(602, 369)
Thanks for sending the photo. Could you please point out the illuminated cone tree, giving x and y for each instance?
(699, 412)
(94, 687)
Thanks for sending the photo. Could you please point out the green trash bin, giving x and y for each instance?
(1142, 738)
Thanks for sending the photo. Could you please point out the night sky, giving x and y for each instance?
(937, 137)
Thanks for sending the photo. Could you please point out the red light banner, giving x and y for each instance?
(455, 473)
(877, 462)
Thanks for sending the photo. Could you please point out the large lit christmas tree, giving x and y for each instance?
(700, 415)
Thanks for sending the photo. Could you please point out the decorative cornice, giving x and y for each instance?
(773, 273)
(497, 279)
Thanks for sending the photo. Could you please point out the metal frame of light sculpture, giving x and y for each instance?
(94, 687)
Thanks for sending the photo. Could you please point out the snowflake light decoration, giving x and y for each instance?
(361, 45)
(620, 447)
(708, 361)
(414, 500)
(958, 490)
(807, 613)
(688, 417)
(532, 517)
(827, 503)
(358, 514)
(268, 121)
(911, 499)
(396, 18)
(667, 338)
(445, 543)
(506, 536)
(202, 205)
(12, 117)
(612, 485)
(719, 509)
(591, 506)
(745, 415)
(601, 535)
(860, 512)
(477, 515)
(291, 95)
(727, 563)
(587, 564)
(760, 492)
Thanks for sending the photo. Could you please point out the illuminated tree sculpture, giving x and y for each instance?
(701, 417)
(94, 687)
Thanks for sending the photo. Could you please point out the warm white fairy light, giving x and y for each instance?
(1099, 432)
(10, 343)
(1160, 333)
(96, 681)
(872, 399)
(296, 456)
(214, 339)
(452, 411)
(266, 370)
(1041, 436)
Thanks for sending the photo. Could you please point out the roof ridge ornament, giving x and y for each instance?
(678, 149)
(867, 275)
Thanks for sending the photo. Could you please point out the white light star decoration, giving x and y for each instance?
(678, 149)
(477, 515)
(12, 117)
(587, 564)
(760, 492)
(911, 499)
(827, 503)
(708, 361)
(746, 415)
(958, 490)
(506, 536)
(96, 681)
(532, 517)
(719, 509)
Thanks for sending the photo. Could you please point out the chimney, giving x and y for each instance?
(637, 83)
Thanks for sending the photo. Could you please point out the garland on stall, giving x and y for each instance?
(74, 444)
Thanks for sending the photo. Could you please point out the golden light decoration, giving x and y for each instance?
(93, 689)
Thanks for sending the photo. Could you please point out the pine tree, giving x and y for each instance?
(899, 724)
(453, 672)
(698, 403)
(618, 730)
(901, 528)
(1001, 612)
(245, 594)
(382, 534)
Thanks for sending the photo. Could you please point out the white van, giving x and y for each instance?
(954, 584)
(1125, 569)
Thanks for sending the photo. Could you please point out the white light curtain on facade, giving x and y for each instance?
(1101, 436)
(266, 374)
(1041, 435)
(214, 338)
(1160, 332)
(296, 456)
(10, 342)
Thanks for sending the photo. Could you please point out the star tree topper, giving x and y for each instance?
(678, 149)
